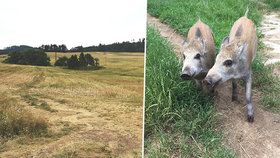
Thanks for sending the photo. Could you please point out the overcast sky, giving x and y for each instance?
(70, 22)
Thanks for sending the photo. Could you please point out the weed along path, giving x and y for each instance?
(248, 140)
(271, 30)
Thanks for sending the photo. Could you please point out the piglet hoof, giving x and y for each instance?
(250, 118)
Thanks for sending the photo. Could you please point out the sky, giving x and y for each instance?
(71, 22)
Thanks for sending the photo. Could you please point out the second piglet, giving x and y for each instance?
(198, 53)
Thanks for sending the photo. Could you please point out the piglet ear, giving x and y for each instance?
(239, 31)
(198, 33)
(203, 45)
(242, 50)
(225, 41)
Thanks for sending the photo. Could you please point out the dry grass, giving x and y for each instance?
(16, 120)
(102, 106)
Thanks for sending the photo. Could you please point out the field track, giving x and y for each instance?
(248, 140)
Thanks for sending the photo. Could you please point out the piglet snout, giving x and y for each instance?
(186, 75)
(208, 81)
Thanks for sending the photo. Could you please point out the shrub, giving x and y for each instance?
(89, 59)
(61, 61)
(28, 57)
(73, 62)
(15, 120)
(82, 60)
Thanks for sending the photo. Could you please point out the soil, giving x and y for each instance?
(259, 139)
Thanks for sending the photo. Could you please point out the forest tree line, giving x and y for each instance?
(134, 46)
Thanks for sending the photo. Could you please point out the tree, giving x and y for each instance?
(127, 46)
(62, 61)
(13, 58)
(47, 48)
(62, 48)
(29, 57)
(77, 49)
(53, 48)
(73, 62)
(89, 59)
(82, 60)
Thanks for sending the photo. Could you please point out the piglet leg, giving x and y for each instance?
(249, 105)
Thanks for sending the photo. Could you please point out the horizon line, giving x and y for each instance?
(132, 40)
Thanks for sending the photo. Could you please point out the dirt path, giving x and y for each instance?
(271, 30)
(257, 140)
(166, 31)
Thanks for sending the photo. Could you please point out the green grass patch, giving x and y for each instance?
(179, 120)
(33, 101)
(268, 83)
(46, 106)
(273, 4)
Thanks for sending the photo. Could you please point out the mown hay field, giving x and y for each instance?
(88, 113)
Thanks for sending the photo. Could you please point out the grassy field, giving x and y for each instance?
(96, 113)
(179, 121)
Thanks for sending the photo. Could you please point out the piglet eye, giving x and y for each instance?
(197, 56)
(184, 57)
(228, 63)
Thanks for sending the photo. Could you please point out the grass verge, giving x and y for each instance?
(179, 119)
(268, 83)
